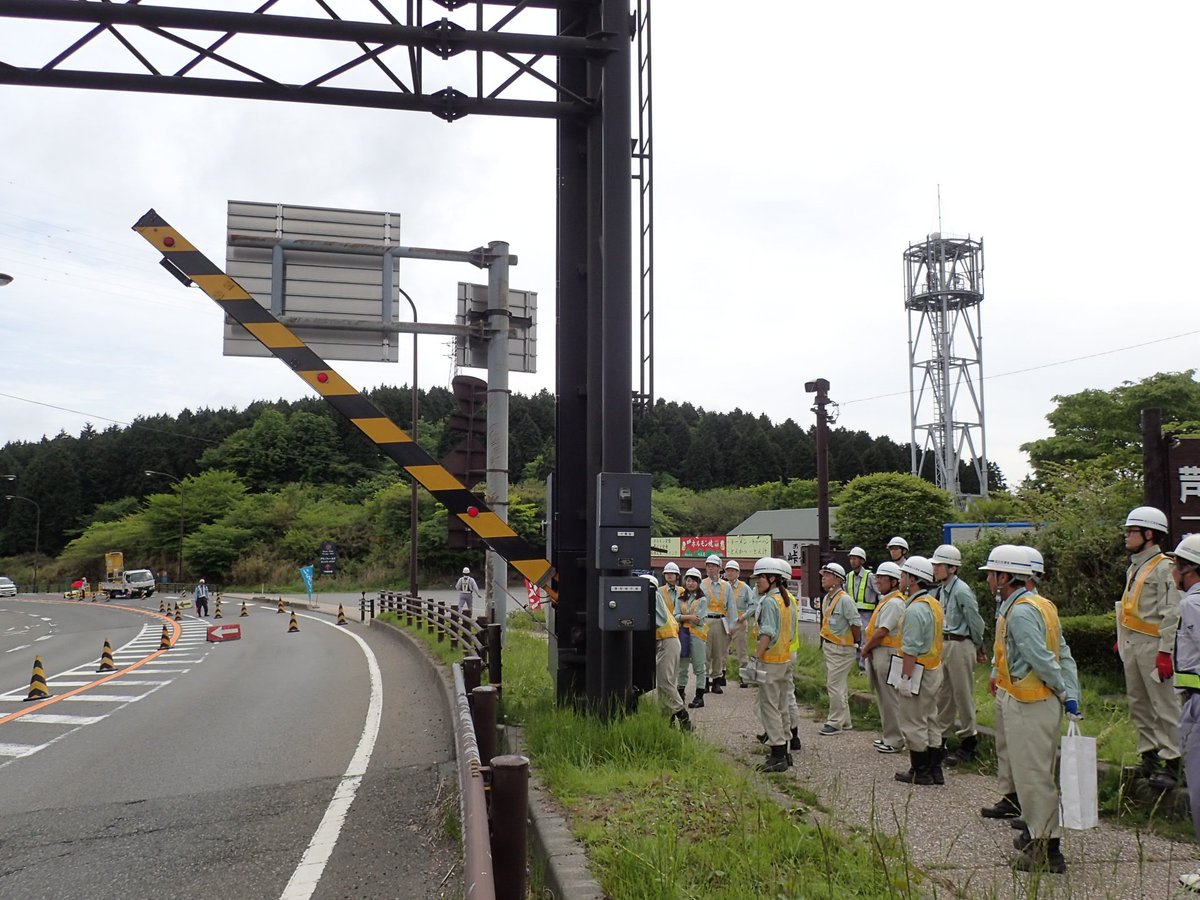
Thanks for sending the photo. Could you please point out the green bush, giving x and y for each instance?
(1091, 640)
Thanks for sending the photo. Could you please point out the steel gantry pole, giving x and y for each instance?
(497, 424)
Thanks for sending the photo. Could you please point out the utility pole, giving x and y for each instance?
(821, 388)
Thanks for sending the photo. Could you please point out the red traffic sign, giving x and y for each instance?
(231, 632)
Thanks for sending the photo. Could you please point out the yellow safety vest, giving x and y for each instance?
(933, 658)
(718, 597)
(671, 629)
(782, 651)
(1133, 596)
(846, 640)
(858, 589)
(1030, 688)
(893, 638)
(701, 630)
(794, 646)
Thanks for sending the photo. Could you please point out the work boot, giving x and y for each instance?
(685, 722)
(794, 743)
(742, 683)
(714, 685)
(777, 761)
(698, 700)
(936, 755)
(1018, 823)
(762, 738)
(681, 689)
(1041, 855)
(965, 751)
(1021, 841)
(1166, 778)
(1146, 767)
(1006, 808)
(918, 773)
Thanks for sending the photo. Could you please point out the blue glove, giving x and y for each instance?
(1072, 708)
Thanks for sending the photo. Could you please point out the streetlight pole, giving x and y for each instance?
(181, 509)
(37, 534)
(412, 500)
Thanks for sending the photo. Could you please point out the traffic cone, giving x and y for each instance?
(280, 608)
(293, 626)
(162, 606)
(38, 689)
(244, 612)
(106, 660)
(341, 615)
(165, 642)
(217, 613)
(178, 615)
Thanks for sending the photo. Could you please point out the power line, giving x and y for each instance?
(1061, 362)
(88, 415)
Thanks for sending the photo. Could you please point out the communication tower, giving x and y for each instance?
(943, 292)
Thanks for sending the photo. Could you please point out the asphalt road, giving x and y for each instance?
(207, 770)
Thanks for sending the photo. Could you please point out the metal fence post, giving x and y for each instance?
(493, 642)
(510, 811)
(483, 715)
(453, 625)
(372, 607)
(362, 608)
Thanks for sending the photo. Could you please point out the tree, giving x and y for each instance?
(873, 508)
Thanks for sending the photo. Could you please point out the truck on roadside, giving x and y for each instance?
(120, 582)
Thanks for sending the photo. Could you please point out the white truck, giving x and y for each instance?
(119, 583)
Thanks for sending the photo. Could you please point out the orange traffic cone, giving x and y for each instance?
(280, 608)
(165, 642)
(162, 606)
(341, 615)
(217, 612)
(106, 660)
(244, 612)
(293, 625)
(38, 689)
(178, 615)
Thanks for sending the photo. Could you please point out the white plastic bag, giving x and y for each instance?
(1080, 796)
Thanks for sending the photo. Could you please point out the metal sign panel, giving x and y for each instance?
(1183, 473)
(350, 281)
(746, 545)
(471, 353)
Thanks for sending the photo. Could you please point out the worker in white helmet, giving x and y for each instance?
(741, 602)
(773, 650)
(691, 611)
(670, 584)
(467, 590)
(1186, 572)
(720, 603)
(920, 651)
(897, 549)
(841, 631)
(666, 656)
(962, 649)
(860, 584)
(881, 644)
(1146, 622)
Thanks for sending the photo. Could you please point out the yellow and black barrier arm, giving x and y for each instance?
(189, 265)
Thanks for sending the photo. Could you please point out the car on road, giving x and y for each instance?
(7, 588)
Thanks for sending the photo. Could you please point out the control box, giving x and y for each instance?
(626, 604)
(622, 520)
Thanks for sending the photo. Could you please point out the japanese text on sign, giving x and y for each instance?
(702, 545)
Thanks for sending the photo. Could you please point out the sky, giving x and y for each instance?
(798, 149)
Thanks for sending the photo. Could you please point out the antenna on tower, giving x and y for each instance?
(939, 195)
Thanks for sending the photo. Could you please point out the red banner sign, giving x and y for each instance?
(702, 545)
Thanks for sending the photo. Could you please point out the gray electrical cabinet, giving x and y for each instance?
(625, 603)
(622, 521)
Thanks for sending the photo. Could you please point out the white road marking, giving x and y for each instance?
(104, 698)
(44, 637)
(19, 750)
(51, 719)
(312, 864)
(22, 647)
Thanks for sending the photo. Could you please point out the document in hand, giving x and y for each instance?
(894, 674)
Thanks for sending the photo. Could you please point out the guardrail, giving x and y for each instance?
(493, 789)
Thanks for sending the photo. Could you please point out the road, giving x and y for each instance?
(208, 769)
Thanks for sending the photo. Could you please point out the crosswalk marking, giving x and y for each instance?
(52, 719)
(19, 750)
(105, 698)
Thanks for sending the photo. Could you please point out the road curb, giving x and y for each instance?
(561, 856)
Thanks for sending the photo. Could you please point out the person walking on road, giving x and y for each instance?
(201, 594)
(1146, 623)
(720, 609)
(1186, 572)
(963, 648)
(920, 646)
(467, 589)
(1034, 680)
(666, 655)
(882, 643)
(692, 614)
(773, 650)
(841, 630)
(740, 603)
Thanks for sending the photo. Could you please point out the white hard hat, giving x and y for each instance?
(1188, 549)
(947, 554)
(1008, 558)
(202, 581)
(670, 567)
(898, 541)
(1147, 517)
(693, 572)
(733, 564)
(859, 552)
(766, 566)
(785, 567)
(1036, 563)
(713, 560)
(834, 569)
(466, 571)
(650, 578)
(889, 568)
(918, 566)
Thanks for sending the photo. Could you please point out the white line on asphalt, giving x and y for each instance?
(19, 750)
(22, 647)
(44, 637)
(51, 719)
(312, 864)
(104, 698)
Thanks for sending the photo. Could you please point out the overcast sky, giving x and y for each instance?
(798, 151)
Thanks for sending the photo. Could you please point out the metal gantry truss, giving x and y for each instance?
(573, 64)
(943, 292)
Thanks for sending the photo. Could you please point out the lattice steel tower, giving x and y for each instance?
(943, 292)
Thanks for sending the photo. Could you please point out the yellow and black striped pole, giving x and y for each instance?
(182, 259)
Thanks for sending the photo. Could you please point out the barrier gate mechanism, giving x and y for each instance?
(190, 266)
